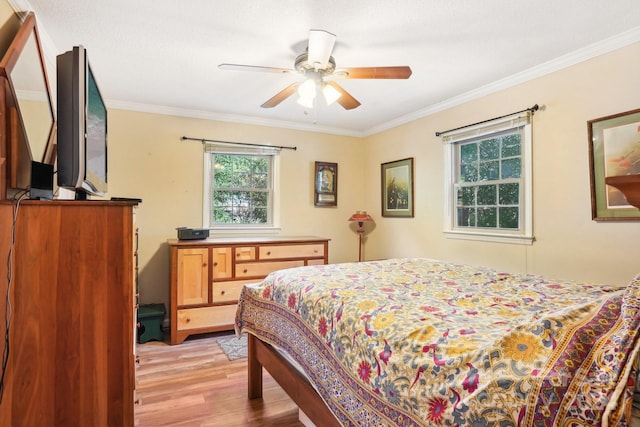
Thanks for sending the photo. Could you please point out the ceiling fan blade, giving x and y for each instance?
(320, 47)
(400, 72)
(347, 101)
(237, 67)
(281, 96)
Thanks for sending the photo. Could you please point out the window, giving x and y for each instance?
(239, 188)
(489, 181)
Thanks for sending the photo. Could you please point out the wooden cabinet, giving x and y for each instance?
(71, 360)
(193, 274)
(208, 275)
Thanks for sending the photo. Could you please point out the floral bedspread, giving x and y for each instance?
(418, 342)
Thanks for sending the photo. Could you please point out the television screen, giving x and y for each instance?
(82, 126)
(96, 130)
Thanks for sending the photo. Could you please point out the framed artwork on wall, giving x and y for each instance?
(614, 150)
(397, 188)
(326, 184)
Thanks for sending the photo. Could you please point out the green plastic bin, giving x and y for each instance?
(150, 317)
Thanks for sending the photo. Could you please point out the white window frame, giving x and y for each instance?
(524, 234)
(274, 214)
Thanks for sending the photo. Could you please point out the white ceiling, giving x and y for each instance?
(163, 55)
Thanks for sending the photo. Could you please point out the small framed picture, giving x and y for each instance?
(614, 150)
(397, 188)
(326, 184)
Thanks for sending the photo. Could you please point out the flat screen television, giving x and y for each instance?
(82, 127)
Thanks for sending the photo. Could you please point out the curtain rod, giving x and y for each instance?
(203, 140)
(532, 110)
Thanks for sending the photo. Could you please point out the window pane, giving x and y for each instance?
(240, 189)
(511, 168)
(260, 180)
(222, 171)
(241, 180)
(487, 195)
(259, 199)
(489, 181)
(259, 215)
(509, 194)
(489, 149)
(469, 173)
(466, 217)
(511, 145)
(509, 217)
(222, 198)
(469, 153)
(221, 215)
(487, 217)
(489, 171)
(467, 196)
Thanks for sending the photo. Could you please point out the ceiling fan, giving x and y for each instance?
(318, 68)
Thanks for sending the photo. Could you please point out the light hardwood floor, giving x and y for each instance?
(194, 384)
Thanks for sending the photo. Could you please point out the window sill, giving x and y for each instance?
(244, 229)
(489, 237)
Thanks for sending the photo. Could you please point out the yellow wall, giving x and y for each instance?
(568, 243)
(148, 160)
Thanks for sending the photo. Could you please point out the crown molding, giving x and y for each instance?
(232, 118)
(600, 48)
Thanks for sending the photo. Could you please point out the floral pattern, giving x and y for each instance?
(418, 342)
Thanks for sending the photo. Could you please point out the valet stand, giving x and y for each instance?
(360, 217)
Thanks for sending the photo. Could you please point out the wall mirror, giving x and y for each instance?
(29, 114)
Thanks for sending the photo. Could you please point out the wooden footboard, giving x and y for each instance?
(292, 382)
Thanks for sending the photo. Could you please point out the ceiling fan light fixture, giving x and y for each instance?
(315, 65)
(306, 102)
(307, 89)
(330, 94)
(307, 92)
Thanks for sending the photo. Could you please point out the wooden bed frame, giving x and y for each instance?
(261, 354)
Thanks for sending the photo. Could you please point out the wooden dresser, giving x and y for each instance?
(207, 276)
(71, 360)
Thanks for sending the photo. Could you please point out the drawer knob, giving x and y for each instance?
(222, 293)
(188, 319)
(215, 264)
(245, 270)
(268, 252)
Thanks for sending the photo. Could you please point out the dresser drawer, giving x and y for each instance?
(258, 269)
(228, 291)
(291, 251)
(245, 253)
(206, 317)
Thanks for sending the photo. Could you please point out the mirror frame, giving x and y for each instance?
(15, 153)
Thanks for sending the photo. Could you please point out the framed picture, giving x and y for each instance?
(397, 188)
(614, 150)
(326, 184)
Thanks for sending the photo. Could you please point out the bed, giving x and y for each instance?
(420, 342)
